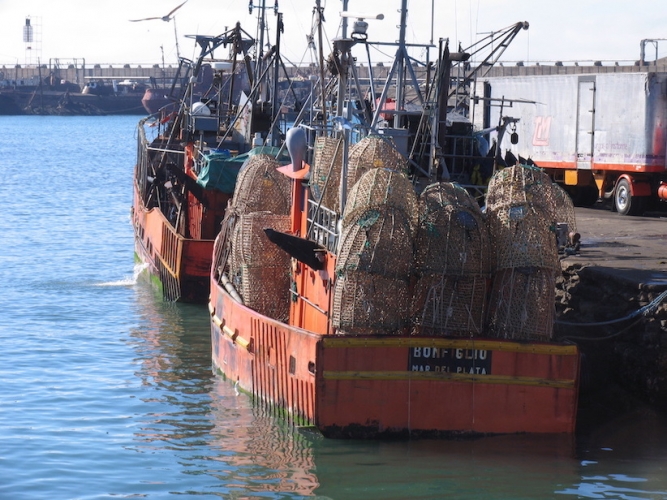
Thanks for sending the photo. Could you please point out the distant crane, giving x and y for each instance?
(166, 18)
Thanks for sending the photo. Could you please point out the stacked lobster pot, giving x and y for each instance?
(373, 151)
(326, 171)
(375, 256)
(521, 216)
(451, 263)
(566, 224)
(564, 209)
(257, 269)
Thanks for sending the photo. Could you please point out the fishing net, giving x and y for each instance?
(522, 304)
(522, 237)
(325, 173)
(442, 194)
(522, 211)
(220, 253)
(373, 151)
(382, 188)
(451, 262)
(258, 269)
(449, 305)
(529, 185)
(452, 237)
(260, 187)
(373, 269)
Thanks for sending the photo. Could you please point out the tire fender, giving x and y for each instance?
(638, 187)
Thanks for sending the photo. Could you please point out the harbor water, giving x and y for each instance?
(108, 392)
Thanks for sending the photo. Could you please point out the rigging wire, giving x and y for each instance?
(644, 311)
(597, 339)
(385, 54)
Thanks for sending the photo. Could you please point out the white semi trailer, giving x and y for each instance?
(598, 135)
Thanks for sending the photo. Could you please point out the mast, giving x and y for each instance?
(399, 67)
(318, 7)
(261, 26)
(344, 25)
(275, 132)
(344, 47)
(400, 70)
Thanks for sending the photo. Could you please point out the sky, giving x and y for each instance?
(101, 32)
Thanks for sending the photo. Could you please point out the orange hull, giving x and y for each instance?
(368, 386)
(182, 265)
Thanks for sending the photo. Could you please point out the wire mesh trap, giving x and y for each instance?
(258, 269)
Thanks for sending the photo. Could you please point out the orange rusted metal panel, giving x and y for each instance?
(196, 257)
(268, 359)
(382, 388)
(316, 288)
(158, 244)
(369, 386)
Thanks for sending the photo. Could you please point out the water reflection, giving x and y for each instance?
(172, 350)
(494, 467)
(224, 446)
(222, 442)
(625, 458)
(261, 452)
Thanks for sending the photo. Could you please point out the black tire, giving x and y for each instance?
(624, 202)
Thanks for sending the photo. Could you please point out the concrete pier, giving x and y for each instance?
(622, 267)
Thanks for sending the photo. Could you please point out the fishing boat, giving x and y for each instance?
(188, 158)
(359, 291)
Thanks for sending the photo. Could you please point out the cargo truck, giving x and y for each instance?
(600, 136)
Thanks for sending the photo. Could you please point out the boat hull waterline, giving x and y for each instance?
(375, 386)
(177, 266)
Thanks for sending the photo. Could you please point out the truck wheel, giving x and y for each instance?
(625, 203)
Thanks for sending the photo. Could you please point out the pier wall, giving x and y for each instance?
(80, 72)
(30, 75)
(624, 364)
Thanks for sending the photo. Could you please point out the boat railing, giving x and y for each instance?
(152, 157)
(322, 225)
(171, 249)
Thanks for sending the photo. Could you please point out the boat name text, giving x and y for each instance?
(436, 359)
